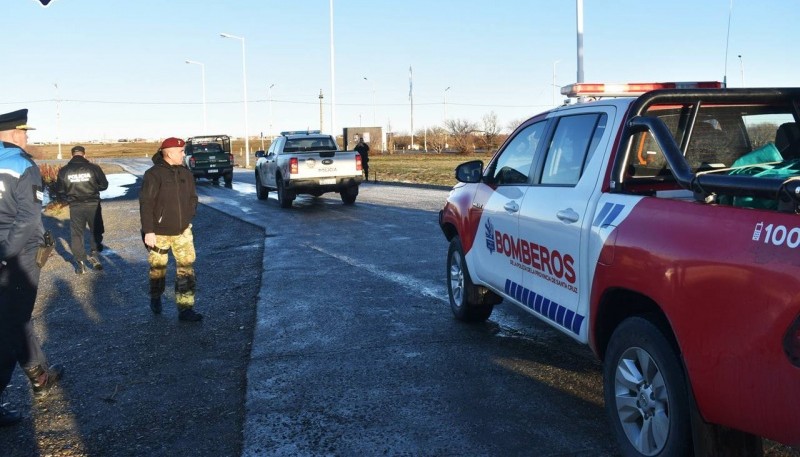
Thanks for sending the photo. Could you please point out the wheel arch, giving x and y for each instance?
(449, 230)
(619, 304)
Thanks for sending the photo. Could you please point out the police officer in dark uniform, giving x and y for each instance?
(81, 181)
(363, 149)
(21, 234)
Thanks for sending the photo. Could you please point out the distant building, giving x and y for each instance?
(373, 136)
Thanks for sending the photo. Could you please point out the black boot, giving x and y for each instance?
(43, 380)
(8, 417)
(189, 315)
(155, 305)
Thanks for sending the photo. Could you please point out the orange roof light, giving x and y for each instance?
(631, 89)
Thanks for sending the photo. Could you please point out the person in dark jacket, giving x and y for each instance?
(81, 182)
(21, 234)
(167, 205)
(363, 149)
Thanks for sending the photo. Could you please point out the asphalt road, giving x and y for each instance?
(356, 352)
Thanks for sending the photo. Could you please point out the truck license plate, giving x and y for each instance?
(326, 181)
(213, 170)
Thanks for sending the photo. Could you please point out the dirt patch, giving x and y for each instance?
(135, 383)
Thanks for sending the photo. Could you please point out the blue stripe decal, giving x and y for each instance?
(614, 213)
(602, 214)
(550, 310)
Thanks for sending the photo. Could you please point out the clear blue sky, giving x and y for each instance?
(120, 68)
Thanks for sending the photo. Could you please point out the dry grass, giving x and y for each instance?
(420, 168)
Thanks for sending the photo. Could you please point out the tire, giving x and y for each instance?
(228, 179)
(349, 195)
(262, 193)
(215, 181)
(645, 391)
(285, 197)
(467, 301)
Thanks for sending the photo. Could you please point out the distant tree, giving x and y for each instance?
(491, 131)
(401, 141)
(761, 134)
(514, 123)
(437, 139)
(461, 134)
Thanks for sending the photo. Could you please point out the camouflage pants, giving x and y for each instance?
(182, 247)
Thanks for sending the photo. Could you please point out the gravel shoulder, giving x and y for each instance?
(135, 383)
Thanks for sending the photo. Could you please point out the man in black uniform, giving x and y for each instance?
(363, 149)
(21, 234)
(81, 181)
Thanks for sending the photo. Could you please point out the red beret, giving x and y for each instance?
(173, 142)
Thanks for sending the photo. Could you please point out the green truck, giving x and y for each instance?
(209, 156)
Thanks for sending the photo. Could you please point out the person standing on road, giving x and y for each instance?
(21, 234)
(81, 181)
(167, 205)
(363, 149)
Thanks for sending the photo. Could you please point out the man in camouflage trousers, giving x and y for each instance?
(167, 204)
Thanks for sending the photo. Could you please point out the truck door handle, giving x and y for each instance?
(511, 207)
(567, 215)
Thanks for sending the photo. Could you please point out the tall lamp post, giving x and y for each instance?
(445, 104)
(741, 68)
(58, 122)
(374, 122)
(269, 97)
(554, 82)
(244, 77)
(203, 75)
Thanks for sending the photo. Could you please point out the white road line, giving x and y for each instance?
(402, 280)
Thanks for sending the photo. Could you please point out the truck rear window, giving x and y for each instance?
(213, 148)
(309, 145)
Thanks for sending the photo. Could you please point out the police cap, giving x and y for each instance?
(15, 120)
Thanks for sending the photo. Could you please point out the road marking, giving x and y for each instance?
(405, 281)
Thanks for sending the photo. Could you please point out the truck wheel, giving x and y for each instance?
(215, 181)
(646, 395)
(228, 179)
(261, 192)
(285, 197)
(466, 300)
(349, 195)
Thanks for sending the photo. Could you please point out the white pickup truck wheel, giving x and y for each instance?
(262, 193)
(349, 195)
(463, 294)
(285, 197)
(645, 393)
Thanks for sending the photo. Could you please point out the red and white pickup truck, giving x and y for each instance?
(657, 223)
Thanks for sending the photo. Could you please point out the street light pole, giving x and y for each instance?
(741, 68)
(374, 122)
(554, 81)
(203, 75)
(445, 104)
(58, 122)
(244, 78)
(269, 96)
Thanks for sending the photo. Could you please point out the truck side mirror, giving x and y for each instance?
(260, 153)
(470, 172)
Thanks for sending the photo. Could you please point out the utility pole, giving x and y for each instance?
(58, 122)
(320, 109)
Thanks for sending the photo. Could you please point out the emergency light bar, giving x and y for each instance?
(300, 132)
(630, 89)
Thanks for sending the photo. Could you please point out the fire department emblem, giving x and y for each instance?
(490, 243)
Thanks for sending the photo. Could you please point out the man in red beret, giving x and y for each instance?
(167, 205)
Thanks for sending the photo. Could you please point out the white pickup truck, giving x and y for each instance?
(307, 162)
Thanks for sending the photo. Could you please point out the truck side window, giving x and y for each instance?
(513, 165)
(573, 143)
